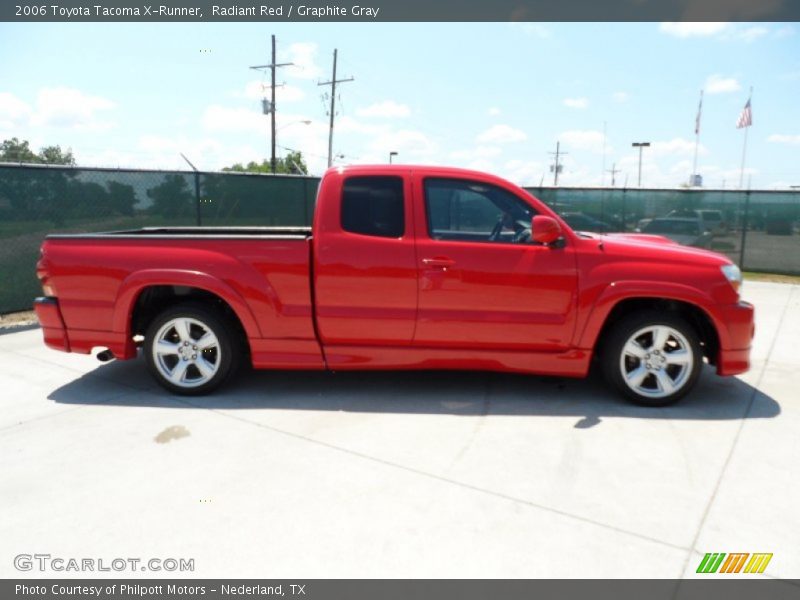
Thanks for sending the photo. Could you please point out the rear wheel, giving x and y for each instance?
(190, 349)
(653, 358)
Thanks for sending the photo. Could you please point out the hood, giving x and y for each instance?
(644, 237)
(656, 246)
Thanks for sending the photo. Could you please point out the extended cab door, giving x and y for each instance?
(482, 283)
(365, 268)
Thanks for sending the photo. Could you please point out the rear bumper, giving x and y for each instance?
(80, 341)
(734, 355)
(53, 329)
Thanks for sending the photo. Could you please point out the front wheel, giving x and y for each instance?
(190, 349)
(653, 358)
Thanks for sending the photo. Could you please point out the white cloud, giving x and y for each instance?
(576, 102)
(303, 55)
(720, 31)
(62, 107)
(780, 138)
(493, 111)
(676, 146)
(157, 151)
(501, 134)
(407, 142)
(387, 109)
(750, 34)
(533, 29)
(481, 164)
(620, 97)
(687, 29)
(292, 132)
(476, 153)
(785, 31)
(583, 139)
(221, 118)
(348, 124)
(717, 84)
(13, 111)
(71, 108)
(523, 172)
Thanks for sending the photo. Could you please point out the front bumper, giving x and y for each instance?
(734, 352)
(53, 328)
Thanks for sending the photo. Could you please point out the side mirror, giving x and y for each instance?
(544, 229)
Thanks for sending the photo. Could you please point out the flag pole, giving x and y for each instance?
(697, 138)
(744, 153)
(744, 146)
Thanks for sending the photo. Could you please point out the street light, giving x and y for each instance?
(303, 121)
(392, 155)
(640, 145)
(289, 124)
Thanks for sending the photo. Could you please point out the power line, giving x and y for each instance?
(333, 83)
(272, 67)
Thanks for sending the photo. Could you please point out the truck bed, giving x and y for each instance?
(263, 273)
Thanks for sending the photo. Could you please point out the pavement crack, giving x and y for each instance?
(487, 400)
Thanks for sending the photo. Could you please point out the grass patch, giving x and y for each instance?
(773, 277)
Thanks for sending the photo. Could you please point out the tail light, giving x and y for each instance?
(44, 276)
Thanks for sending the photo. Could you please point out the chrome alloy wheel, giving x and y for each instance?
(186, 352)
(656, 361)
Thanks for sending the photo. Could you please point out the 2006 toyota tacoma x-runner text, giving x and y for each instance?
(404, 268)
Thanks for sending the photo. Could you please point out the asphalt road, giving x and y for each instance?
(316, 475)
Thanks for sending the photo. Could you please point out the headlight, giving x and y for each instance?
(733, 275)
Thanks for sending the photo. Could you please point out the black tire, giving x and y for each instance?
(661, 366)
(201, 370)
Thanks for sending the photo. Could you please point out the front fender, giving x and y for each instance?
(616, 292)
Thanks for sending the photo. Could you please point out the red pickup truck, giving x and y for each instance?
(404, 268)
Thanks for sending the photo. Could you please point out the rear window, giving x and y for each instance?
(373, 206)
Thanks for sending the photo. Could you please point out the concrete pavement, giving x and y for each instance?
(401, 474)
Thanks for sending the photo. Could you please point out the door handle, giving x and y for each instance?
(438, 263)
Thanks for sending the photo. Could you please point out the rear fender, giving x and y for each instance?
(135, 283)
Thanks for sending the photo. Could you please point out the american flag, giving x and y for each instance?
(746, 118)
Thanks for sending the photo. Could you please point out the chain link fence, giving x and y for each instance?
(37, 200)
(756, 229)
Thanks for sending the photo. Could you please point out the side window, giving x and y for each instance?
(373, 206)
(471, 211)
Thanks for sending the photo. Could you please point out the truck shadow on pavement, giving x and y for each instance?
(467, 394)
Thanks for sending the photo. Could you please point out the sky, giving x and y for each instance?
(495, 97)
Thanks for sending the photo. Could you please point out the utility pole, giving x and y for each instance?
(603, 170)
(614, 170)
(556, 168)
(272, 66)
(640, 145)
(333, 83)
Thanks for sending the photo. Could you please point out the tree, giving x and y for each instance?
(172, 198)
(14, 150)
(291, 164)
